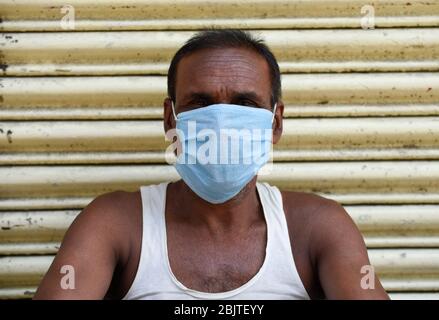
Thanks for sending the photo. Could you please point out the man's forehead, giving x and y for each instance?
(231, 69)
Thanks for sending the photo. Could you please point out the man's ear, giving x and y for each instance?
(168, 115)
(278, 122)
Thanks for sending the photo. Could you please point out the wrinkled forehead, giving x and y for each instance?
(223, 71)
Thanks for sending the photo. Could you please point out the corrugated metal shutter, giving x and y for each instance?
(80, 115)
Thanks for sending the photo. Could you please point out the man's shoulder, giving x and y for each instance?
(115, 202)
(322, 222)
(114, 215)
(307, 205)
(305, 213)
(115, 210)
(317, 218)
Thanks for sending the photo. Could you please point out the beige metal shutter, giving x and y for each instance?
(81, 111)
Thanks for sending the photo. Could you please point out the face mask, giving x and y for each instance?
(223, 146)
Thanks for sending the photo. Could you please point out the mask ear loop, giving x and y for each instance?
(274, 112)
(173, 110)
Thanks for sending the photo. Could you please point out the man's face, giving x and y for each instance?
(215, 76)
(232, 75)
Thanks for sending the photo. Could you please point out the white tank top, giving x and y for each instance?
(276, 279)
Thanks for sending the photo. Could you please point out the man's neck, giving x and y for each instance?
(238, 213)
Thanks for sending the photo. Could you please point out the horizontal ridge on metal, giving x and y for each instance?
(25, 15)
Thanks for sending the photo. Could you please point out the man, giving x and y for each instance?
(217, 233)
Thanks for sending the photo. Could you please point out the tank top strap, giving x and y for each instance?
(151, 263)
(282, 265)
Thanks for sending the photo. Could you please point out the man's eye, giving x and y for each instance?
(198, 103)
(248, 103)
(191, 105)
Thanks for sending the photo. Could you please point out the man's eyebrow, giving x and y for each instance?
(238, 95)
(198, 95)
(251, 95)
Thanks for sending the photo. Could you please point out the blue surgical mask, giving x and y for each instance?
(223, 146)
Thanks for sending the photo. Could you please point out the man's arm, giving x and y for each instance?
(90, 250)
(341, 256)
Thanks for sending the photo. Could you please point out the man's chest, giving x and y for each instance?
(216, 265)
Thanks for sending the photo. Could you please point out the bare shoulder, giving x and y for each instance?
(96, 243)
(113, 206)
(114, 201)
(113, 215)
(306, 201)
(333, 247)
(316, 224)
(323, 222)
(312, 210)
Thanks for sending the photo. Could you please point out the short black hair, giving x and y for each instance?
(226, 38)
